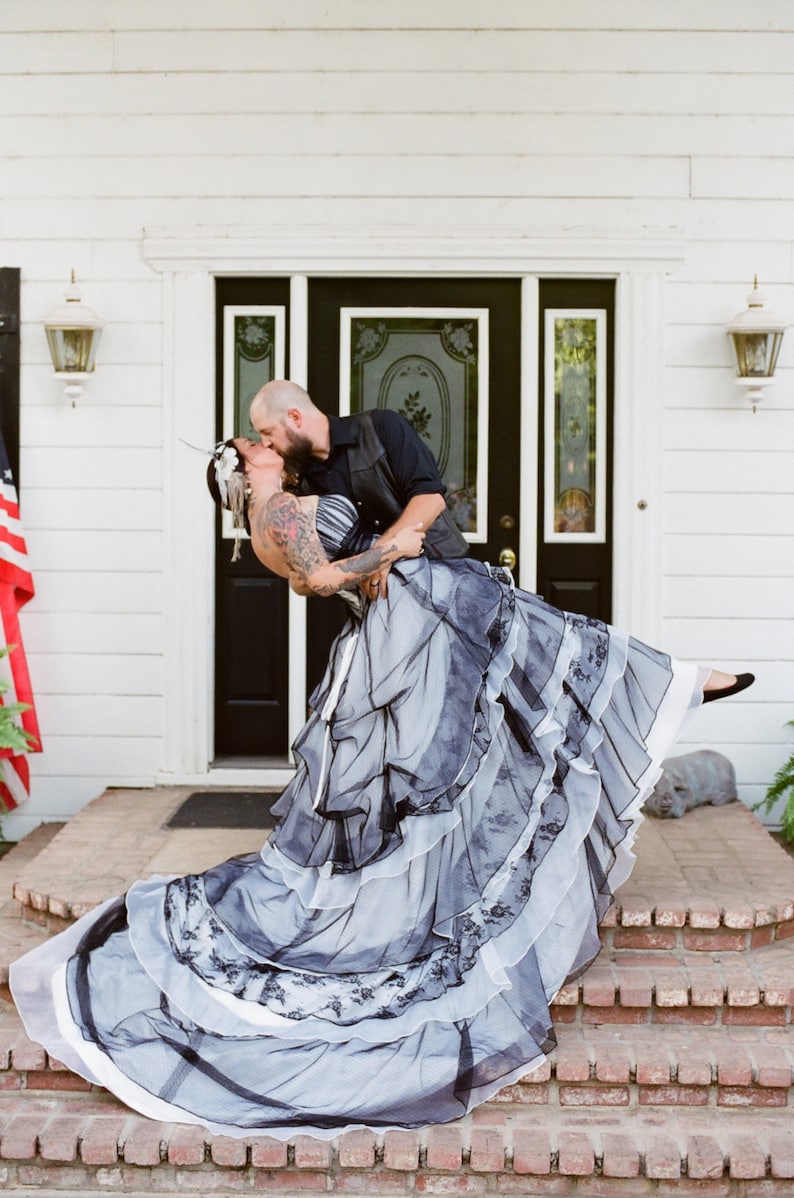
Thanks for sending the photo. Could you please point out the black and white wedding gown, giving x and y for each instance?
(467, 792)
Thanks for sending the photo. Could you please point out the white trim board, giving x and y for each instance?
(311, 251)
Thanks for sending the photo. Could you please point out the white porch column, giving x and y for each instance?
(530, 377)
(637, 479)
(299, 373)
(188, 527)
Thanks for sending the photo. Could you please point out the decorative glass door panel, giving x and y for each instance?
(574, 403)
(431, 366)
(254, 338)
(574, 433)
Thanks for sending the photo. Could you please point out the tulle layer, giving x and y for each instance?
(465, 801)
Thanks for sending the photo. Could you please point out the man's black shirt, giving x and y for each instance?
(412, 463)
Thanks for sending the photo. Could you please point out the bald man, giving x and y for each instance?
(374, 458)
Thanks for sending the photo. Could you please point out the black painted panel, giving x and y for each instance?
(251, 636)
(9, 365)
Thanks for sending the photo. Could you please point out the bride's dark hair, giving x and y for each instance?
(228, 486)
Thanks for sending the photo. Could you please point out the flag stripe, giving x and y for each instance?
(14, 781)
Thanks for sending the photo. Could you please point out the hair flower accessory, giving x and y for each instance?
(228, 485)
(227, 462)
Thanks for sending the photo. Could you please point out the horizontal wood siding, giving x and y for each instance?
(620, 115)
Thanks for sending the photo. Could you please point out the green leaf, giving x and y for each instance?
(782, 785)
(12, 734)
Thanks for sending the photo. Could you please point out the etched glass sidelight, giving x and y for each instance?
(575, 425)
(253, 354)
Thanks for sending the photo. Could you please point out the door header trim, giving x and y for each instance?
(289, 250)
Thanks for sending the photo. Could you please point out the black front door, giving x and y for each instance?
(445, 353)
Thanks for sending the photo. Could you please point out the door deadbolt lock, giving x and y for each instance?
(507, 522)
(508, 559)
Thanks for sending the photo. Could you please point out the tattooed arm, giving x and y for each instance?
(287, 523)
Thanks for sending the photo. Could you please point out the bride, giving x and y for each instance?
(467, 791)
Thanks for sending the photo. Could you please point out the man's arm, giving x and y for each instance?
(416, 472)
(421, 510)
(410, 458)
(291, 528)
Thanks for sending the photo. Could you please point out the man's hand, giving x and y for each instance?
(419, 512)
(409, 540)
(376, 586)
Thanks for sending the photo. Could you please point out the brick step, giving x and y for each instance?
(712, 881)
(17, 937)
(693, 925)
(92, 1144)
(636, 1068)
(595, 1066)
(629, 987)
(649, 926)
(666, 960)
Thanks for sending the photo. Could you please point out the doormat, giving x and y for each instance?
(226, 809)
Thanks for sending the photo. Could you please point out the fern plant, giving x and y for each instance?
(12, 734)
(782, 784)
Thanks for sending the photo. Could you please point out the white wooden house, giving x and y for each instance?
(154, 147)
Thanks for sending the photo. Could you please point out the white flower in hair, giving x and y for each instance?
(232, 486)
(226, 461)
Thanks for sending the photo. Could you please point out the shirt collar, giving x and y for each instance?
(341, 431)
(341, 434)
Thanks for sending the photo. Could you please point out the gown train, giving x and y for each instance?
(467, 791)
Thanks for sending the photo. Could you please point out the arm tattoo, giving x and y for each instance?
(364, 563)
(292, 529)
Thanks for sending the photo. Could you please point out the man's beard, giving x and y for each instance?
(298, 455)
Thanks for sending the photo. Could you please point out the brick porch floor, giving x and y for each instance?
(673, 1073)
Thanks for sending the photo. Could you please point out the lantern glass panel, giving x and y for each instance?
(73, 350)
(756, 353)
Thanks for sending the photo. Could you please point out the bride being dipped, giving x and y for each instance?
(466, 795)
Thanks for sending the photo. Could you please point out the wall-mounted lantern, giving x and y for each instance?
(73, 331)
(756, 335)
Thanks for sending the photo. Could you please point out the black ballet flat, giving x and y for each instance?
(741, 684)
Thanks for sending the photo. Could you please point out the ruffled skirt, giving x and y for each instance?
(467, 793)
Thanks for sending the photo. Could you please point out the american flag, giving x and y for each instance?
(16, 588)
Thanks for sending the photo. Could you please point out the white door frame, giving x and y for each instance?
(189, 261)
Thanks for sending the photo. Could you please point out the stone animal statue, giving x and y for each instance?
(692, 780)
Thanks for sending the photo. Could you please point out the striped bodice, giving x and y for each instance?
(338, 527)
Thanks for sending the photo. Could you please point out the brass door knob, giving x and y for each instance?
(508, 558)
